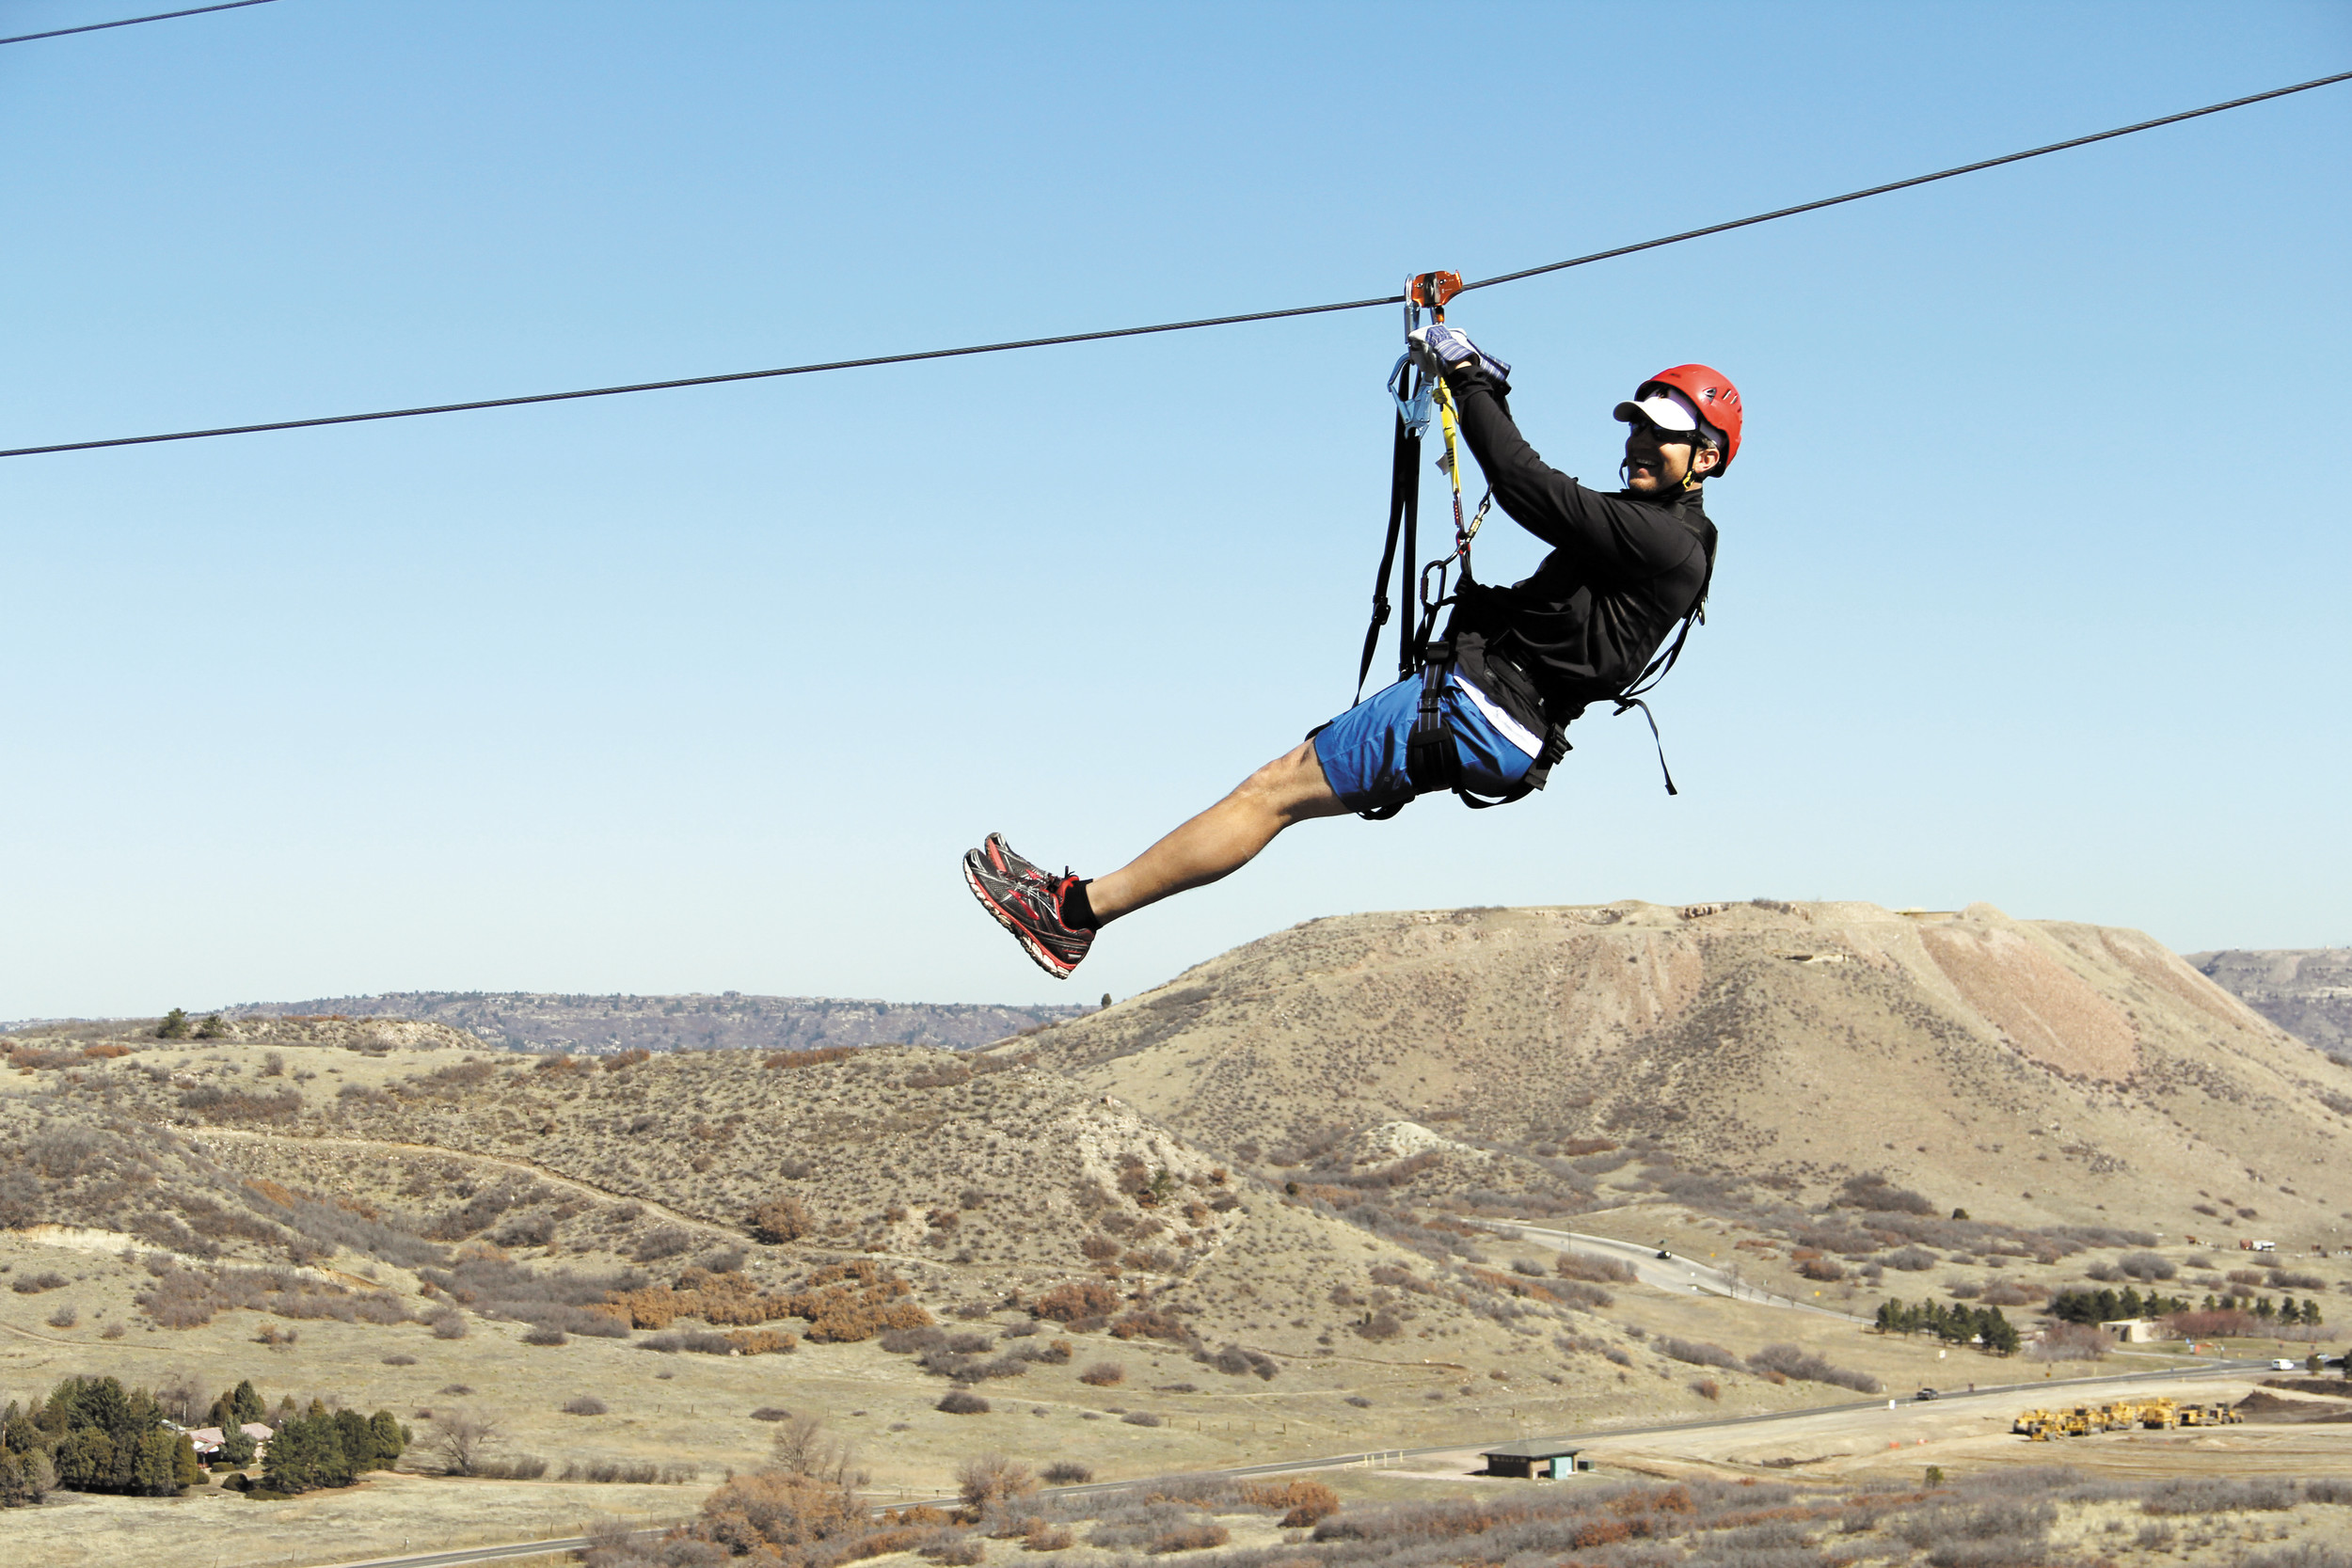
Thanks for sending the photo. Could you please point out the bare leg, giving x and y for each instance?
(1222, 839)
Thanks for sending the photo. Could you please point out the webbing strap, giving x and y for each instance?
(1624, 703)
(1404, 508)
(1657, 670)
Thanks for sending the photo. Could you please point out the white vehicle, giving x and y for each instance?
(2265, 1246)
(2283, 1365)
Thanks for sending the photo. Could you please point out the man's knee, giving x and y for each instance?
(1292, 783)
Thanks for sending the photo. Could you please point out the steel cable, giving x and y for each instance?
(133, 21)
(1166, 326)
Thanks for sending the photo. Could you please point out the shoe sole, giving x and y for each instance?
(1038, 952)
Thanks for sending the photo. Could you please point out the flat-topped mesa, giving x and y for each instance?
(1962, 1052)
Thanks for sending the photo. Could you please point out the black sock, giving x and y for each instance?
(1076, 912)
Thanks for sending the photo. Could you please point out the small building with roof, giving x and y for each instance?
(1539, 1459)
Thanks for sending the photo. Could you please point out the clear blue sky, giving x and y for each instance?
(2033, 574)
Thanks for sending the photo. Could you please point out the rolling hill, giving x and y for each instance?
(2035, 1073)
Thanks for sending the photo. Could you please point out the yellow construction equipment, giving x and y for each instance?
(2159, 1413)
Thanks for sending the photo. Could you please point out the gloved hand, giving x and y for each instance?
(1440, 348)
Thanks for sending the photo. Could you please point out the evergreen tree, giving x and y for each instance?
(236, 1449)
(26, 1477)
(186, 1471)
(174, 1026)
(392, 1438)
(307, 1452)
(85, 1460)
(358, 1439)
(240, 1404)
(2266, 1309)
(154, 1467)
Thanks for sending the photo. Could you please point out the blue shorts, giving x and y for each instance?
(1363, 751)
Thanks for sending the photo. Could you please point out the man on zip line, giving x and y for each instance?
(1515, 666)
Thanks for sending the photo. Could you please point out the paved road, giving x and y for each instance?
(488, 1554)
(1673, 1272)
(2039, 1387)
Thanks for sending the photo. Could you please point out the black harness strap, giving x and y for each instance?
(1433, 759)
(1657, 671)
(1404, 514)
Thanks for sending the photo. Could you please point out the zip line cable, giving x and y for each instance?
(133, 21)
(1164, 327)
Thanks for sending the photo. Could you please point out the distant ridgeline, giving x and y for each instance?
(2307, 991)
(548, 1020)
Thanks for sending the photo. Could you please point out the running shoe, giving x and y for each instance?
(1026, 902)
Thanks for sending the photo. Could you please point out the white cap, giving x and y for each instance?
(1666, 408)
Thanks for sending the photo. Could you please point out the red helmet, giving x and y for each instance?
(1717, 399)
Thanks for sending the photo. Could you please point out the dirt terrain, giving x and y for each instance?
(1319, 1189)
(2034, 1073)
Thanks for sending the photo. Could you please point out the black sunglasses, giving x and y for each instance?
(1665, 437)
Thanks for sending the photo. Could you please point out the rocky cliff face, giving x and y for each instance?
(2307, 991)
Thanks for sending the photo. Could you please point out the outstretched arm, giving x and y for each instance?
(1603, 532)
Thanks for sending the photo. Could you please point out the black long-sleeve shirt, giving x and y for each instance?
(1623, 570)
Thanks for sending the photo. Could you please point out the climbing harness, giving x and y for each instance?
(1431, 760)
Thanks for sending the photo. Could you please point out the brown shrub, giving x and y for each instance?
(774, 1512)
(1824, 1269)
(1080, 1298)
(763, 1342)
(990, 1481)
(1592, 1269)
(1150, 1323)
(781, 1218)
(105, 1052)
(1190, 1538)
(1304, 1503)
(1098, 1247)
(1708, 1388)
(619, 1060)
(848, 1302)
(1104, 1374)
(1043, 1537)
(780, 1061)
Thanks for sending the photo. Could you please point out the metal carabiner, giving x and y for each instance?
(1419, 408)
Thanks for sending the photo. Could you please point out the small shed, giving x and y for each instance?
(2134, 1331)
(1539, 1459)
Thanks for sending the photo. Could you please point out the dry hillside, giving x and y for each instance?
(1264, 1199)
(2036, 1073)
